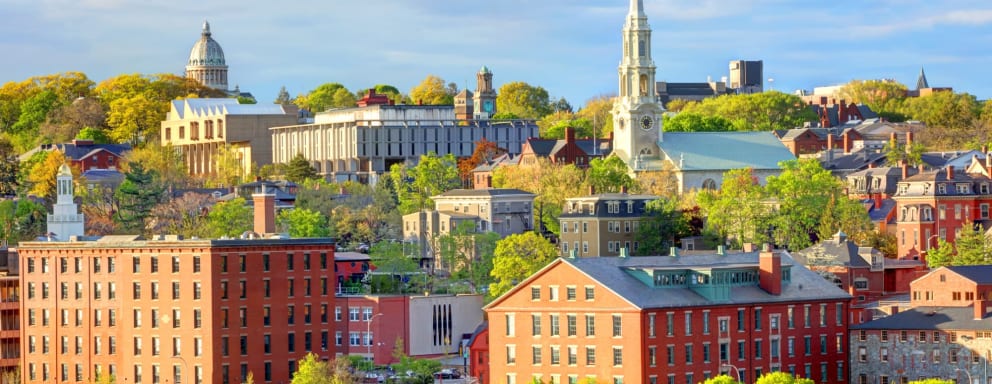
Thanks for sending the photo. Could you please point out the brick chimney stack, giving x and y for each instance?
(770, 270)
(905, 169)
(909, 141)
(981, 307)
(830, 141)
(569, 134)
(950, 172)
(846, 138)
(265, 212)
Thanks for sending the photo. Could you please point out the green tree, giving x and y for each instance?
(299, 169)
(553, 126)
(782, 378)
(763, 111)
(885, 97)
(516, 257)
(9, 168)
(737, 210)
(21, 219)
(896, 153)
(303, 222)
(283, 97)
(952, 120)
(98, 136)
(431, 176)
(432, 91)
(43, 175)
(695, 122)
(523, 100)
(135, 118)
(609, 175)
(136, 196)
(34, 112)
(326, 96)
(552, 183)
(184, 215)
(721, 379)
(312, 370)
(250, 378)
(598, 111)
(467, 254)
(392, 260)
(65, 122)
(972, 246)
(802, 190)
(230, 218)
(663, 224)
(940, 256)
(164, 159)
(932, 381)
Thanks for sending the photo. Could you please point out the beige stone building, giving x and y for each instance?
(602, 225)
(504, 211)
(198, 128)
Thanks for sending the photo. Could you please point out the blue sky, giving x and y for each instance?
(570, 47)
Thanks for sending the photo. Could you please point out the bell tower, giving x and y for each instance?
(637, 112)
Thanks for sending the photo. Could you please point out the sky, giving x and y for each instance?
(569, 47)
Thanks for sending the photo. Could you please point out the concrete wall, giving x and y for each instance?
(430, 331)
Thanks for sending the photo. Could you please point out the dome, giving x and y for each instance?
(206, 51)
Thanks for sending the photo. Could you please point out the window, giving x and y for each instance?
(590, 325)
(510, 331)
(570, 293)
(555, 355)
(196, 264)
(862, 354)
(175, 264)
(553, 320)
(536, 355)
(688, 323)
(670, 354)
(511, 354)
(590, 356)
(553, 293)
(175, 290)
(617, 326)
(651, 317)
(590, 293)
(757, 319)
(688, 353)
(617, 356)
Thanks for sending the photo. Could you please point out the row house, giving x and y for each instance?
(664, 319)
(936, 204)
(603, 224)
(945, 334)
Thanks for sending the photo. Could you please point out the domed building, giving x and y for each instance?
(206, 62)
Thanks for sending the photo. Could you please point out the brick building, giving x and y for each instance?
(174, 310)
(946, 333)
(937, 204)
(569, 150)
(673, 320)
(85, 154)
(10, 318)
(602, 224)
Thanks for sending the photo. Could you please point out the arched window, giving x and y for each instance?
(709, 184)
(644, 85)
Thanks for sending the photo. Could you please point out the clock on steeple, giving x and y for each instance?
(485, 96)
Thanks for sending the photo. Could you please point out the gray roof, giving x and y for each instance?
(879, 214)
(845, 251)
(931, 319)
(618, 275)
(856, 160)
(724, 150)
(485, 192)
(351, 256)
(980, 274)
(224, 106)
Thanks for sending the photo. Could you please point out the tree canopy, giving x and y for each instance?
(433, 91)
(136, 196)
(230, 218)
(663, 224)
(302, 222)
(523, 100)
(431, 176)
(326, 96)
(609, 175)
(516, 257)
(299, 170)
(763, 111)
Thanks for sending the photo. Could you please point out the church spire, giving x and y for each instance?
(637, 9)
(921, 82)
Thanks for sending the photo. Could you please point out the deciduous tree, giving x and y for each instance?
(230, 218)
(517, 257)
(609, 175)
(802, 190)
(185, 215)
(302, 222)
(484, 151)
(312, 370)
(884, 97)
(431, 176)
(663, 224)
(598, 111)
(782, 378)
(737, 211)
(972, 246)
(9, 168)
(755, 111)
(432, 91)
(695, 122)
(523, 100)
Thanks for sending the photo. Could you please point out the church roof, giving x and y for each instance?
(206, 51)
(921, 82)
(690, 151)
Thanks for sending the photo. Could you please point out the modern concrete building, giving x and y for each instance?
(678, 320)
(175, 310)
(603, 224)
(747, 76)
(429, 326)
(946, 333)
(362, 143)
(199, 128)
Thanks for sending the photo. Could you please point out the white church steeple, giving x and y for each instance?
(65, 220)
(636, 112)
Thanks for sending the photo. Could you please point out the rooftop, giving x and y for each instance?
(931, 319)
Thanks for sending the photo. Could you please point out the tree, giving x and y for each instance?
(34, 112)
(431, 176)
(695, 122)
(516, 257)
(737, 210)
(951, 119)
(135, 118)
(598, 111)
(941, 255)
(324, 97)
(105, 378)
(552, 183)
(821, 262)
(932, 381)
(170, 169)
(98, 136)
(972, 246)
(523, 100)
(312, 370)
(302, 222)
(782, 378)
(662, 225)
(896, 153)
(802, 190)
(484, 151)
(553, 125)
(609, 175)
(9, 168)
(299, 169)
(283, 97)
(882, 96)
(662, 182)
(393, 259)
(721, 379)
(42, 176)
(185, 215)
(467, 254)
(136, 196)
(561, 105)
(65, 122)
(432, 91)
(21, 219)
(228, 168)
(763, 111)
(230, 218)
(250, 378)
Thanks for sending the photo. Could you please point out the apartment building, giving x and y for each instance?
(602, 224)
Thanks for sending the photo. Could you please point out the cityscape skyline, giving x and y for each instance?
(570, 49)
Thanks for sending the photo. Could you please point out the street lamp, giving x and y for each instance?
(185, 368)
(728, 365)
(368, 338)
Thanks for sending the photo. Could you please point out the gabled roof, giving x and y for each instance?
(541, 147)
(980, 274)
(846, 251)
(690, 151)
(930, 319)
(222, 106)
(79, 152)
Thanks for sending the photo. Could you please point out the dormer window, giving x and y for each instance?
(963, 189)
(941, 189)
(903, 188)
(984, 188)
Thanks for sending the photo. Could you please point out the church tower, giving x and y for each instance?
(485, 96)
(65, 221)
(637, 112)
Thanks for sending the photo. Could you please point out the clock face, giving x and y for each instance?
(647, 122)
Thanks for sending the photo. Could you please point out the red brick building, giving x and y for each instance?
(566, 151)
(936, 204)
(10, 318)
(86, 155)
(946, 333)
(174, 310)
(675, 320)
(479, 354)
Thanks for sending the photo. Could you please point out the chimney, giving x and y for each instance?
(905, 169)
(950, 172)
(673, 251)
(894, 309)
(909, 141)
(265, 212)
(981, 307)
(892, 138)
(749, 247)
(823, 100)
(721, 250)
(843, 102)
(830, 141)
(623, 189)
(569, 134)
(871, 165)
(770, 270)
(878, 201)
(592, 190)
(846, 138)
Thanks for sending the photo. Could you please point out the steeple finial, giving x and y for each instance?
(637, 8)
(206, 28)
(921, 82)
